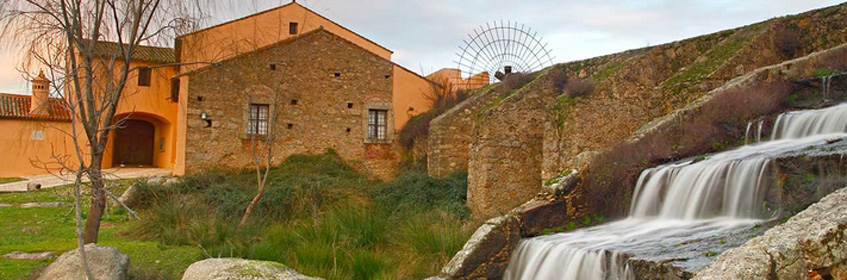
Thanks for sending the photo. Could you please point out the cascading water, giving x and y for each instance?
(795, 125)
(676, 204)
(757, 133)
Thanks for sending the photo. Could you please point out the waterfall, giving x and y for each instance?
(747, 133)
(826, 83)
(758, 132)
(795, 125)
(676, 203)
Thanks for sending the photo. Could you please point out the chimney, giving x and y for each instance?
(40, 95)
(508, 70)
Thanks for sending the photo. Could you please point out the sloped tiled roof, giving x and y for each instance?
(15, 106)
(142, 53)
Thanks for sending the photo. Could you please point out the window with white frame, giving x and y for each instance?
(257, 119)
(377, 124)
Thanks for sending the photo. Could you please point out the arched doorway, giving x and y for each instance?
(134, 143)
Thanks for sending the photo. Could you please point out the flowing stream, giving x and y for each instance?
(677, 204)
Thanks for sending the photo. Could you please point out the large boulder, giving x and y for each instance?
(106, 263)
(487, 253)
(239, 269)
(811, 244)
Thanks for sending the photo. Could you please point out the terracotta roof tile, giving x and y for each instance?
(15, 106)
(143, 53)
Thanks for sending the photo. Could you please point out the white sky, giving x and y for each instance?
(426, 34)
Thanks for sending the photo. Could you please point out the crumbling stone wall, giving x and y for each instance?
(450, 134)
(505, 150)
(665, 78)
(320, 85)
(523, 139)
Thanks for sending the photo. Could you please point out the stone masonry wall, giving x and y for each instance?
(533, 134)
(505, 150)
(321, 88)
(450, 135)
(668, 77)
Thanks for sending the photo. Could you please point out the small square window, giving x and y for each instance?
(348, 130)
(257, 120)
(290, 126)
(377, 124)
(294, 101)
(144, 74)
(292, 28)
(349, 105)
(273, 67)
(200, 98)
(337, 74)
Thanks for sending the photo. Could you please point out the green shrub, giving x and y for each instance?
(415, 191)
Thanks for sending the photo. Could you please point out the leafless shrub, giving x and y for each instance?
(514, 81)
(558, 78)
(786, 39)
(579, 87)
(612, 175)
(835, 61)
(743, 104)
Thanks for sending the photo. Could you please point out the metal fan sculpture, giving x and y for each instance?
(501, 49)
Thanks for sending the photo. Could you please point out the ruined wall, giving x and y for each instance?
(534, 134)
(505, 149)
(321, 87)
(450, 135)
(631, 92)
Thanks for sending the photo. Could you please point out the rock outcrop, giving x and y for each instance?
(488, 252)
(812, 243)
(240, 269)
(106, 263)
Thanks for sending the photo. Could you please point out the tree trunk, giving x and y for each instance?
(98, 201)
(252, 203)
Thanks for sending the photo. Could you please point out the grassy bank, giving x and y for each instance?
(318, 216)
(51, 229)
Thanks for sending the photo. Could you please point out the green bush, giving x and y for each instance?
(415, 191)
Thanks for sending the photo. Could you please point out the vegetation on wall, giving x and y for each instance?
(319, 216)
(717, 125)
(441, 98)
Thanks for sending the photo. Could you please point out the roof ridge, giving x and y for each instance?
(294, 2)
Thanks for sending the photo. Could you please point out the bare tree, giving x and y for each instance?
(266, 89)
(67, 38)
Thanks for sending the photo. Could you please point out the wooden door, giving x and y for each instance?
(134, 144)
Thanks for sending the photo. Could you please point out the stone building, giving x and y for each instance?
(288, 72)
(323, 91)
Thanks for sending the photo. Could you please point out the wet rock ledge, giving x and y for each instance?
(812, 244)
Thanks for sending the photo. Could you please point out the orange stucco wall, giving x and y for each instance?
(247, 34)
(151, 104)
(409, 95)
(19, 149)
(182, 122)
(454, 78)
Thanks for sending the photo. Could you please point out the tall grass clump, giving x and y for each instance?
(717, 125)
(415, 191)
